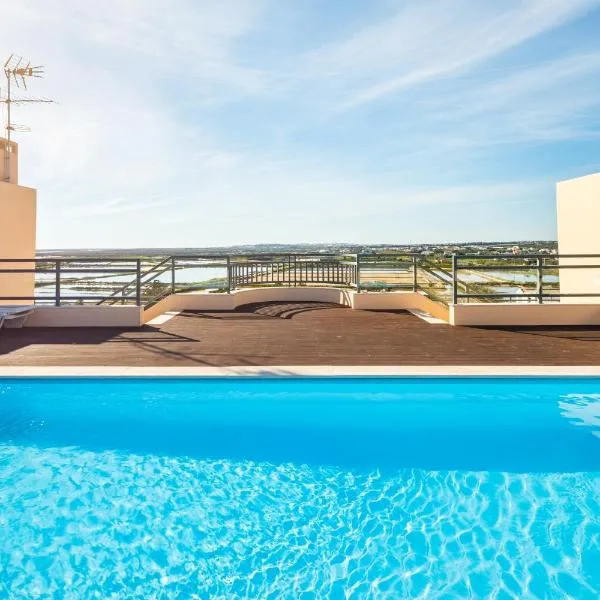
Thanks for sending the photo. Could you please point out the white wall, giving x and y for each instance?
(512, 314)
(578, 220)
(85, 316)
(398, 301)
(509, 314)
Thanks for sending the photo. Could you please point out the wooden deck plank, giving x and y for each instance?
(299, 334)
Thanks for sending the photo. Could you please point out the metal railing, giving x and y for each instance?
(294, 270)
(144, 281)
(71, 279)
(522, 278)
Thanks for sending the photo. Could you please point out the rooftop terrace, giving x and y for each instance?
(283, 333)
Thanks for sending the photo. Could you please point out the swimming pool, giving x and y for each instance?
(300, 488)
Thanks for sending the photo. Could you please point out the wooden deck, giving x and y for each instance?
(299, 334)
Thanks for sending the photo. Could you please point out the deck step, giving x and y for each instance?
(425, 316)
(163, 318)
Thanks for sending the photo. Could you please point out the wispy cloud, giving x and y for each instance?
(115, 206)
(434, 39)
(122, 72)
(140, 39)
(168, 114)
(555, 100)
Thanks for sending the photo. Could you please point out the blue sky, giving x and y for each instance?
(195, 122)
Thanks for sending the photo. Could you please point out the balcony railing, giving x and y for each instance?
(144, 281)
(69, 280)
(521, 278)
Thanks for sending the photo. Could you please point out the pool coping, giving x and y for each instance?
(304, 371)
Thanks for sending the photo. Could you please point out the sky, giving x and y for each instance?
(197, 123)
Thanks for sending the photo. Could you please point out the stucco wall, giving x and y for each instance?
(578, 220)
(13, 159)
(510, 314)
(462, 314)
(398, 301)
(17, 239)
(85, 316)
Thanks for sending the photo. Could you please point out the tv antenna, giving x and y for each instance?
(17, 71)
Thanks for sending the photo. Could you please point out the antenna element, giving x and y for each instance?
(17, 71)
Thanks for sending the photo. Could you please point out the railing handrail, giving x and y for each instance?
(242, 269)
(539, 263)
(232, 256)
(530, 267)
(67, 259)
(304, 268)
(532, 295)
(517, 256)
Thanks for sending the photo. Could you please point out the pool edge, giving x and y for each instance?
(304, 371)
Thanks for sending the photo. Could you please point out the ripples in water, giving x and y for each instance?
(79, 524)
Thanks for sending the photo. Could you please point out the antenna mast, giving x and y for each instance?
(17, 70)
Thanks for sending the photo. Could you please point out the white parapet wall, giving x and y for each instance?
(513, 314)
(497, 314)
(398, 301)
(85, 316)
(362, 301)
(134, 316)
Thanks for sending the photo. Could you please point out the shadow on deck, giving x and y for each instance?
(300, 333)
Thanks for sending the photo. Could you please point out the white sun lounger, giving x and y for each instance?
(14, 316)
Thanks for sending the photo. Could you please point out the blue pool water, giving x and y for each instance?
(312, 488)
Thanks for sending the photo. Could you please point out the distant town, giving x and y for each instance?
(435, 249)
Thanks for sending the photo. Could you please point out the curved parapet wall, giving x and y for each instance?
(208, 301)
(362, 301)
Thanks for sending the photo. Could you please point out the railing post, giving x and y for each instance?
(229, 275)
(172, 274)
(454, 280)
(358, 272)
(295, 272)
(138, 282)
(57, 292)
(415, 274)
(540, 279)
